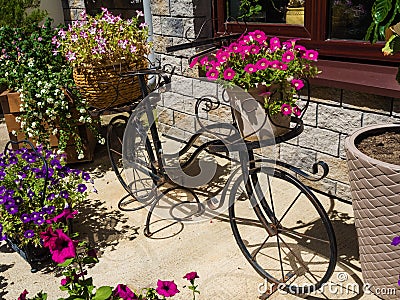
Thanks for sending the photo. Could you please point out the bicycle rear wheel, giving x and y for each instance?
(283, 231)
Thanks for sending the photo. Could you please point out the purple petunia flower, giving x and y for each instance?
(29, 234)
(166, 288)
(64, 194)
(39, 221)
(81, 188)
(51, 196)
(18, 200)
(396, 241)
(25, 218)
(85, 176)
(12, 209)
(35, 215)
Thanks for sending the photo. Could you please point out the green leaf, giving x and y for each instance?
(380, 10)
(67, 262)
(103, 293)
(90, 260)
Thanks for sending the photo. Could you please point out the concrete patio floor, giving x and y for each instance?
(209, 248)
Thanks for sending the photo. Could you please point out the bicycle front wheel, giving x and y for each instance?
(283, 231)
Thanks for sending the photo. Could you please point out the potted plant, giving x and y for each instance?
(373, 154)
(270, 70)
(100, 48)
(36, 190)
(35, 105)
(295, 12)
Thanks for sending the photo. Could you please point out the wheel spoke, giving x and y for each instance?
(116, 152)
(259, 248)
(290, 206)
(289, 231)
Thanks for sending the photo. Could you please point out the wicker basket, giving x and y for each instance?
(104, 87)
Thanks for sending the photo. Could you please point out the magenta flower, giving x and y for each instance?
(65, 280)
(250, 68)
(229, 73)
(23, 295)
(122, 291)
(62, 247)
(48, 237)
(245, 51)
(222, 56)
(204, 61)
(254, 49)
(297, 83)
(286, 109)
(166, 288)
(193, 62)
(283, 66)
(311, 55)
(132, 48)
(275, 64)
(274, 43)
(297, 111)
(288, 56)
(300, 48)
(235, 47)
(258, 36)
(191, 276)
(212, 74)
(83, 34)
(65, 214)
(262, 64)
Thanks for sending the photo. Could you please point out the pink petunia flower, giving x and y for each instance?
(222, 56)
(212, 74)
(262, 64)
(254, 49)
(288, 56)
(297, 83)
(166, 288)
(204, 61)
(283, 66)
(286, 109)
(275, 64)
(65, 281)
(300, 48)
(63, 247)
(191, 276)
(229, 74)
(311, 55)
(70, 56)
(235, 47)
(297, 111)
(124, 292)
(274, 43)
(258, 36)
(193, 62)
(250, 68)
(23, 295)
(65, 214)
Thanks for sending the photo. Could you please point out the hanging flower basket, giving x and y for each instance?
(104, 86)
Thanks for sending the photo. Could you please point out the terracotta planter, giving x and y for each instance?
(375, 189)
(10, 103)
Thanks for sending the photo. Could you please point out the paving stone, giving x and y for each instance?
(338, 119)
(367, 102)
(319, 139)
(184, 121)
(371, 119)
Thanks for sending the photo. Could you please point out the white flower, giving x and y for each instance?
(55, 130)
(81, 156)
(68, 115)
(23, 124)
(82, 110)
(33, 124)
(30, 134)
(82, 119)
(37, 95)
(14, 133)
(102, 141)
(59, 152)
(18, 119)
(50, 100)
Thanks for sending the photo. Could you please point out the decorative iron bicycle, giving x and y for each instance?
(279, 225)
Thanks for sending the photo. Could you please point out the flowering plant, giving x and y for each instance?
(275, 69)
(29, 66)
(73, 256)
(104, 38)
(29, 201)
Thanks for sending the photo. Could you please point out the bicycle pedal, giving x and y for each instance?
(213, 203)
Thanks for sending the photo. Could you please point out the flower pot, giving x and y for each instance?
(295, 15)
(10, 103)
(103, 86)
(375, 189)
(252, 118)
(34, 256)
